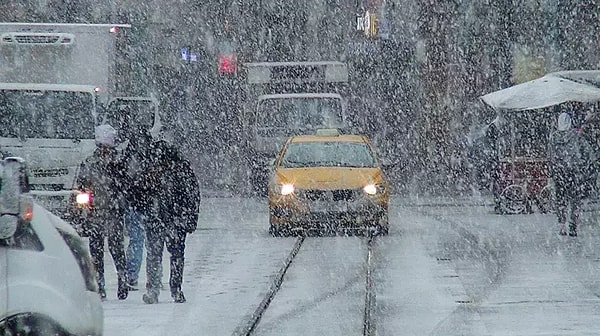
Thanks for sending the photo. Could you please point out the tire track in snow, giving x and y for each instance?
(246, 328)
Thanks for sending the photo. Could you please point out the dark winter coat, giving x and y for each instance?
(569, 151)
(102, 174)
(139, 180)
(179, 192)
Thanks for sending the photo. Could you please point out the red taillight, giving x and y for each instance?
(26, 208)
(227, 63)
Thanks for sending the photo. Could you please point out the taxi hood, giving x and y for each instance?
(328, 177)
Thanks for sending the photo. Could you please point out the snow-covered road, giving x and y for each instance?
(441, 271)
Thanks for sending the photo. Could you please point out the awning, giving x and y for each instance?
(552, 89)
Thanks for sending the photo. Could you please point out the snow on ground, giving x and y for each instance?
(323, 292)
(229, 262)
(443, 270)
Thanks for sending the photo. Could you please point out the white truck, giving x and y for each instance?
(54, 82)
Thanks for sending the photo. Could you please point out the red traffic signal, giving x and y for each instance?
(227, 63)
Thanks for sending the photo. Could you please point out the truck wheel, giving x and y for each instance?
(259, 183)
(274, 228)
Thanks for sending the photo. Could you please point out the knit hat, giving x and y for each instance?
(106, 135)
(564, 122)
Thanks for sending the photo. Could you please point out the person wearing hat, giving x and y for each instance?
(100, 177)
(569, 156)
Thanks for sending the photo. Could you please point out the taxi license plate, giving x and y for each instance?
(329, 207)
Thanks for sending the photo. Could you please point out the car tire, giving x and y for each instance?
(30, 324)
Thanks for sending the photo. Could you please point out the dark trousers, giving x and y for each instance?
(105, 224)
(156, 239)
(568, 196)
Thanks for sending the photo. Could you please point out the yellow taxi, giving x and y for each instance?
(328, 181)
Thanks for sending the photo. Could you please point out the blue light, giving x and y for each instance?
(185, 54)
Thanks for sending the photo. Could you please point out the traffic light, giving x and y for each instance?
(227, 63)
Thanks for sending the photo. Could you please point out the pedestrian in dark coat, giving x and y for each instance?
(177, 202)
(100, 176)
(137, 156)
(569, 156)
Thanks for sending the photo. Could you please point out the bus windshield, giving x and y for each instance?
(300, 113)
(46, 114)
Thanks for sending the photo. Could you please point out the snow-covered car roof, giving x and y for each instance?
(549, 90)
(299, 95)
(48, 87)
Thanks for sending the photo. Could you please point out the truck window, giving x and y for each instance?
(298, 113)
(46, 114)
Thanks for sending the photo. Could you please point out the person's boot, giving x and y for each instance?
(177, 295)
(122, 290)
(575, 214)
(150, 297)
(573, 230)
(561, 212)
(563, 230)
(101, 288)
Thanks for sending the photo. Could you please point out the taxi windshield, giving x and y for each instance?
(328, 154)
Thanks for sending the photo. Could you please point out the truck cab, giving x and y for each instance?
(51, 126)
(55, 80)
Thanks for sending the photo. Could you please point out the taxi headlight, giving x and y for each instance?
(374, 189)
(83, 198)
(287, 189)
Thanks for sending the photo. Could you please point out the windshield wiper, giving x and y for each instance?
(293, 164)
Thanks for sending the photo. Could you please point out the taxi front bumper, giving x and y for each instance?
(347, 209)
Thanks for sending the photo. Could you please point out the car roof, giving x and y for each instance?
(330, 138)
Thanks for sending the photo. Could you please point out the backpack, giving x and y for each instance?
(190, 203)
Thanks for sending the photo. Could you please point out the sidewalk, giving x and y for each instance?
(443, 201)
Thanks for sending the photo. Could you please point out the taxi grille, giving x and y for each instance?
(329, 195)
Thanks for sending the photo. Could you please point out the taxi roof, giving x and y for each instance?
(330, 138)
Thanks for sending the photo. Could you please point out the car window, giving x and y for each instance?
(328, 154)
